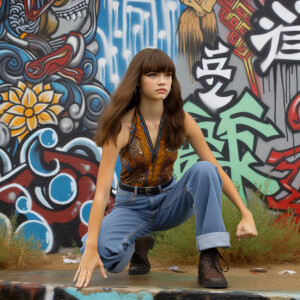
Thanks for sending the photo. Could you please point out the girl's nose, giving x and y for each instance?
(161, 78)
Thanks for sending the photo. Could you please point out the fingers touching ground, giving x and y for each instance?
(76, 274)
(102, 270)
(84, 275)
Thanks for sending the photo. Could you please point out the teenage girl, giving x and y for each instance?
(145, 124)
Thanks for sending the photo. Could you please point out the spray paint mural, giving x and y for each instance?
(251, 119)
(60, 60)
(50, 105)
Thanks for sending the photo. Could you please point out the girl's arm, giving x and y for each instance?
(90, 258)
(246, 227)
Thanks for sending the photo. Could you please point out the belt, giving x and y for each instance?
(148, 190)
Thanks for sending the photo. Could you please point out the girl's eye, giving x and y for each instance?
(151, 74)
(169, 74)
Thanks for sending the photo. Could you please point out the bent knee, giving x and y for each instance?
(206, 170)
(204, 167)
(108, 247)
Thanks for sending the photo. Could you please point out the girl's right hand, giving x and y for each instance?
(89, 261)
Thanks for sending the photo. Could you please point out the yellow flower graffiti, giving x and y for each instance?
(25, 107)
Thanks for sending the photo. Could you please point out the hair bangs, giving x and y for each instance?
(157, 61)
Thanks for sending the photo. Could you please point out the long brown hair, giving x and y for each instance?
(127, 96)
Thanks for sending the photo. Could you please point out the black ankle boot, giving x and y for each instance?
(139, 263)
(209, 270)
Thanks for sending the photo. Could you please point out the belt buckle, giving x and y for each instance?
(148, 190)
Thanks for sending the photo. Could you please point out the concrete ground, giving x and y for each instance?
(159, 284)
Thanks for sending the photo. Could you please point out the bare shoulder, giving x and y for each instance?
(126, 122)
(189, 123)
(187, 116)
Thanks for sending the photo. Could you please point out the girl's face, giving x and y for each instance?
(155, 85)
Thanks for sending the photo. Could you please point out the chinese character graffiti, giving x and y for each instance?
(232, 138)
(288, 200)
(276, 34)
(214, 73)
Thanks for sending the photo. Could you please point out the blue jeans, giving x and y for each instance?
(199, 191)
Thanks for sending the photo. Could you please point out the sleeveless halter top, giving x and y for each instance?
(142, 163)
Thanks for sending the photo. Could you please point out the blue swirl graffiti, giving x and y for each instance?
(36, 226)
(46, 138)
(62, 189)
(85, 212)
(12, 62)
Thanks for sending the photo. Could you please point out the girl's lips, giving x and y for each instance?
(161, 90)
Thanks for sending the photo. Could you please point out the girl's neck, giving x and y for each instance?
(151, 109)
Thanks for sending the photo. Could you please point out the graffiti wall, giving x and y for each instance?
(245, 97)
(238, 64)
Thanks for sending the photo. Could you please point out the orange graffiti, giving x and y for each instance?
(236, 15)
(24, 108)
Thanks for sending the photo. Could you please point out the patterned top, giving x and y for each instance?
(142, 164)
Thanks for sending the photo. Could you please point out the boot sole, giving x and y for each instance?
(139, 272)
(213, 284)
(143, 271)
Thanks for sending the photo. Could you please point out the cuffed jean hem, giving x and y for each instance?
(213, 240)
(125, 260)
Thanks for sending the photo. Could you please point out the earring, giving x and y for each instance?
(137, 90)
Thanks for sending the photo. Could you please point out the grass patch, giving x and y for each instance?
(15, 251)
(277, 241)
(177, 245)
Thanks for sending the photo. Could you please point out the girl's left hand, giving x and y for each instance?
(246, 228)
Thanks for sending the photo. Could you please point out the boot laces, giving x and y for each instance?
(221, 258)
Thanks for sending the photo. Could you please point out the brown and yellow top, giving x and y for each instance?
(142, 164)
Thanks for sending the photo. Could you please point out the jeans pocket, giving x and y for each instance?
(124, 196)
